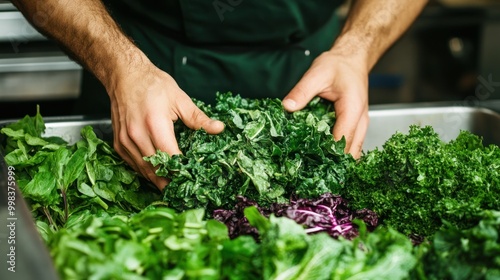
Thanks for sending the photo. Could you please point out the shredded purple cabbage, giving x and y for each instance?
(329, 213)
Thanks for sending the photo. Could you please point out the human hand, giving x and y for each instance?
(145, 103)
(343, 80)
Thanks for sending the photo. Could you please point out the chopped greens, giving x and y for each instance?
(264, 153)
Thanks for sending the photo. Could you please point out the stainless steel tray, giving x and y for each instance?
(447, 121)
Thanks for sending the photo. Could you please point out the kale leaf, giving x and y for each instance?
(416, 181)
(463, 254)
(264, 153)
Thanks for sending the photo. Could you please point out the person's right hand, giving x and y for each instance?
(145, 103)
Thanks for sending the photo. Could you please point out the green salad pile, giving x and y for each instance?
(437, 204)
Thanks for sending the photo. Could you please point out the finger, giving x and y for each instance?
(160, 182)
(348, 114)
(117, 145)
(147, 148)
(359, 136)
(131, 153)
(126, 154)
(195, 118)
(146, 169)
(126, 157)
(161, 132)
(127, 139)
(303, 92)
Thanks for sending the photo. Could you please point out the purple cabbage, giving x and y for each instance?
(329, 213)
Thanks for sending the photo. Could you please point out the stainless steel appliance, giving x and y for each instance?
(32, 68)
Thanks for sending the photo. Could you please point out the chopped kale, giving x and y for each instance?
(264, 153)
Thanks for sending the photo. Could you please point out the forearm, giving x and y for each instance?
(87, 31)
(372, 26)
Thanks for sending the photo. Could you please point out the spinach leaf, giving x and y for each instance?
(59, 180)
(155, 243)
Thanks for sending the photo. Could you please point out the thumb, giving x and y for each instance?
(303, 92)
(195, 118)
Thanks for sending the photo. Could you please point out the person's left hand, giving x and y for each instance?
(342, 79)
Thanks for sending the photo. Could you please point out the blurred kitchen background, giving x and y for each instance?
(451, 53)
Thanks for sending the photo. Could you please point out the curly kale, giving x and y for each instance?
(416, 181)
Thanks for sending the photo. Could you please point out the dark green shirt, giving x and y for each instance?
(250, 47)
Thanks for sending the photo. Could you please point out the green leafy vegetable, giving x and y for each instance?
(156, 243)
(264, 153)
(417, 181)
(287, 252)
(468, 254)
(99, 223)
(59, 180)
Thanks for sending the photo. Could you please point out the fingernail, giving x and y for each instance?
(217, 125)
(289, 104)
(216, 122)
